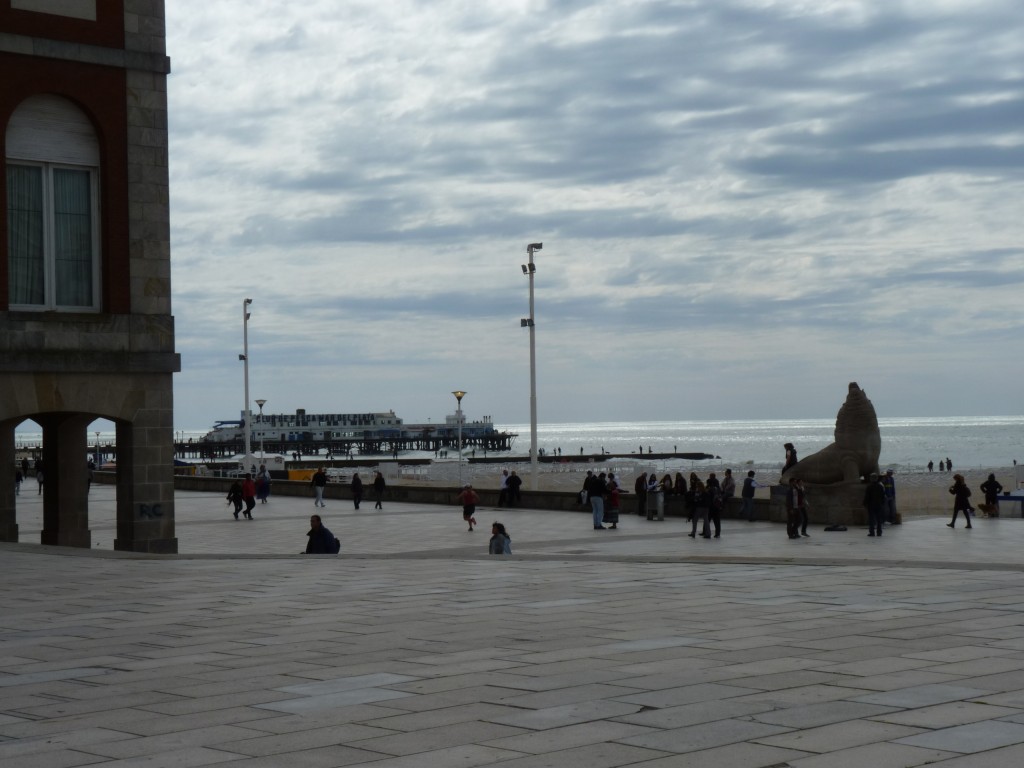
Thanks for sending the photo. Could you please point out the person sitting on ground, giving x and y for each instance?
(501, 542)
(321, 541)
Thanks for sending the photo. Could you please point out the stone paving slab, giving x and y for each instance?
(635, 647)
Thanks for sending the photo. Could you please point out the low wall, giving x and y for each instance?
(559, 501)
(839, 504)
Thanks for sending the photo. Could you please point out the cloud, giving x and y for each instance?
(738, 188)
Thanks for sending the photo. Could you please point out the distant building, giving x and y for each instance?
(85, 276)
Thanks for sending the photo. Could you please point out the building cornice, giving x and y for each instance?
(142, 61)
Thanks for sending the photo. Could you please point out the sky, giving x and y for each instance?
(744, 204)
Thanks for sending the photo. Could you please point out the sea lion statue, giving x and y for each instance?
(855, 452)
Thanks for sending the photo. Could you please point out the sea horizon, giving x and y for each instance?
(908, 442)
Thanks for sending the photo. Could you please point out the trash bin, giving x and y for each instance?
(655, 505)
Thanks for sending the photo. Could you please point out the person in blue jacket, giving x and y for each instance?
(501, 542)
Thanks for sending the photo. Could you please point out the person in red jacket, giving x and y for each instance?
(469, 499)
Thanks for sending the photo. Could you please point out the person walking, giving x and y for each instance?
(249, 495)
(874, 500)
(961, 495)
(319, 482)
(235, 496)
(468, 498)
(747, 494)
(357, 490)
(378, 489)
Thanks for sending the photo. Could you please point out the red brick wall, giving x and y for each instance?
(100, 93)
(107, 30)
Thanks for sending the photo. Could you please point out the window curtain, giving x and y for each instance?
(25, 234)
(72, 227)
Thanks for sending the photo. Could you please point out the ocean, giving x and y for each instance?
(908, 444)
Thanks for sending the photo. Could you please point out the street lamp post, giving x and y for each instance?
(261, 403)
(459, 394)
(244, 357)
(98, 461)
(529, 269)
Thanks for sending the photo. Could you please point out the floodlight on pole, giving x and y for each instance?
(529, 269)
(459, 394)
(261, 403)
(244, 357)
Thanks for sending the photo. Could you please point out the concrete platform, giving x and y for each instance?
(637, 647)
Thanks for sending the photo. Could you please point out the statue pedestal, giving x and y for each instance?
(836, 504)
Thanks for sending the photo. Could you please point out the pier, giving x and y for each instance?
(388, 445)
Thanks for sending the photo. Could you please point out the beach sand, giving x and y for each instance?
(917, 493)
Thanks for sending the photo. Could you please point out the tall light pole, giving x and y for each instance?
(261, 403)
(459, 394)
(98, 461)
(527, 322)
(244, 357)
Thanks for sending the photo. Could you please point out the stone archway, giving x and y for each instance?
(64, 405)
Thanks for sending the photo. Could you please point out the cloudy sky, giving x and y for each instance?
(744, 205)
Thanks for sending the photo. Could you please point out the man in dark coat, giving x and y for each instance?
(874, 500)
(321, 541)
(514, 481)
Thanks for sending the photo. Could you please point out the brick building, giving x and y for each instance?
(86, 329)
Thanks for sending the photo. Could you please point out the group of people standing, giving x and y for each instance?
(703, 500)
(508, 493)
(598, 489)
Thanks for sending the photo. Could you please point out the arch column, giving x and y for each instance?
(65, 480)
(8, 506)
(145, 482)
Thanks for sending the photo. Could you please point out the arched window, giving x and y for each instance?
(53, 163)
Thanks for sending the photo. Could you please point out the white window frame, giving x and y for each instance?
(49, 236)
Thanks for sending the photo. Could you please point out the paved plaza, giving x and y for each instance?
(415, 649)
